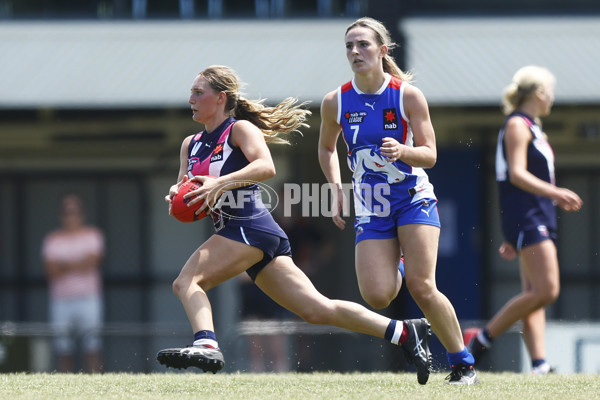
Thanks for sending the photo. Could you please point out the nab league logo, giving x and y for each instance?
(390, 119)
(355, 117)
(192, 162)
(217, 153)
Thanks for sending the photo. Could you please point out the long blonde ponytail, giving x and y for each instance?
(276, 122)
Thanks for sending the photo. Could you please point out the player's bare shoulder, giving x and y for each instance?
(242, 124)
(415, 103)
(413, 94)
(186, 141)
(329, 104)
(243, 128)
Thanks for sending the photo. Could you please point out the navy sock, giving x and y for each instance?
(462, 357)
(538, 362)
(487, 335)
(484, 338)
(205, 335)
(396, 332)
(389, 332)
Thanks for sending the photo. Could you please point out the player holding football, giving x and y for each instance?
(233, 148)
(385, 123)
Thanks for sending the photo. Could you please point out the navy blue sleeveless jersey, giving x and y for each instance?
(521, 210)
(212, 154)
(365, 120)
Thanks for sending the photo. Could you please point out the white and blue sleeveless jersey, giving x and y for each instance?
(521, 210)
(365, 120)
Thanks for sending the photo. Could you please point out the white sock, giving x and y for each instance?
(397, 332)
(207, 343)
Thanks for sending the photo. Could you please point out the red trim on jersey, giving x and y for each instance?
(344, 137)
(404, 129)
(346, 86)
(395, 83)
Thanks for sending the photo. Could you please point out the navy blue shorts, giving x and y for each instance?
(271, 245)
(522, 239)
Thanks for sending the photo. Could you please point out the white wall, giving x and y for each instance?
(570, 348)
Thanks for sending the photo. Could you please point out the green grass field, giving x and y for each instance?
(330, 386)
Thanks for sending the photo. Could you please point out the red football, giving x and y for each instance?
(179, 205)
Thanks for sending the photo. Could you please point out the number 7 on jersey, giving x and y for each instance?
(355, 128)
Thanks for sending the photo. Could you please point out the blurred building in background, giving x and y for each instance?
(93, 99)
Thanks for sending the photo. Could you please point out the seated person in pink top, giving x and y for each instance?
(72, 255)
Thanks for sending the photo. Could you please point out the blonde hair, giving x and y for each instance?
(526, 81)
(382, 37)
(276, 122)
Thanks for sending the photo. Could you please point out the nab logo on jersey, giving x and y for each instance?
(390, 119)
(355, 117)
(217, 153)
(191, 162)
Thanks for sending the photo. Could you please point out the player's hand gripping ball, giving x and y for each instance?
(179, 205)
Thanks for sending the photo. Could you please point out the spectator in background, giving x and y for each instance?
(528, 199)
(72, 256)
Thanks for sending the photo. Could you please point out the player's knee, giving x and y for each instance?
(377, 300)
(422, 291)
(549, 295)
(179, 287)
(379, 295)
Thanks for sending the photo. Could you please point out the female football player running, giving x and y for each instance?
(385, 123)
(233, 149)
